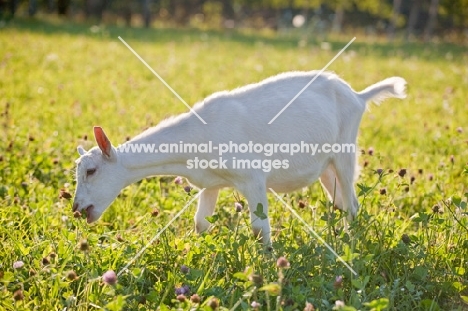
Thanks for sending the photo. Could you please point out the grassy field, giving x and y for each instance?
(409, 244)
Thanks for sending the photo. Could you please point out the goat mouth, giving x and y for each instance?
(89, 211)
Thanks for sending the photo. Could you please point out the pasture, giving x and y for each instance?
(409, 244)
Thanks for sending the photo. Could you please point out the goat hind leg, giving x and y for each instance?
(332, 186)
(345, 165)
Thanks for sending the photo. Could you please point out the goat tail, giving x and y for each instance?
(393, 87)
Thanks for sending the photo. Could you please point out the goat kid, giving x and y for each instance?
(329, 111)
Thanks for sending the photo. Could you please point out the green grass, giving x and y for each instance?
(58, 80)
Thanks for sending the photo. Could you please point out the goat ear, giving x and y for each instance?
(80, 150)
(102, 141)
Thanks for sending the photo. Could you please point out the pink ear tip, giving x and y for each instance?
(98, 130)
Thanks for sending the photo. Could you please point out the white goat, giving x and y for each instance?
(327, 112)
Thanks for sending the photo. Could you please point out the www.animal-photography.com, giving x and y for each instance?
(234, 155)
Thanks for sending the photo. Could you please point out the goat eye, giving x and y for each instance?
(90, 171)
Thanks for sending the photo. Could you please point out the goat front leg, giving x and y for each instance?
(205, 208)
(255, 193)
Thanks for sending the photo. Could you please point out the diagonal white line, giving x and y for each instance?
(94, 305)
(241, 299)
(305, 87)
(314, 233)
(160, 232)
(161, 79)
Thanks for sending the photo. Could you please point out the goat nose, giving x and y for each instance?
(75, 206)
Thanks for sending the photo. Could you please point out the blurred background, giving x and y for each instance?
(409, 20)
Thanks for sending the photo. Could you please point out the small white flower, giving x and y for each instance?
(255, 304)
(18, 264)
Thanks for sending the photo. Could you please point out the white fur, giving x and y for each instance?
(328, 111)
